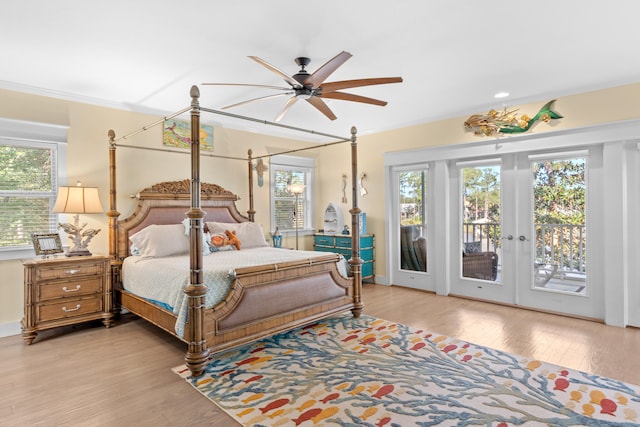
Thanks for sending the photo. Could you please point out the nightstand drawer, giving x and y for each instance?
(66, 289)
(69, 271)
(68, 308)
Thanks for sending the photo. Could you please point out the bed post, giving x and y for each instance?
(113, 213)
(251, 212)
(196, 357)
(355, 261)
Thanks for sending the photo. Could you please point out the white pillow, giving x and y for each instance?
(161, 240)
(206, 237)
(250, 234)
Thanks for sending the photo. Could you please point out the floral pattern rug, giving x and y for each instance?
(343, 371)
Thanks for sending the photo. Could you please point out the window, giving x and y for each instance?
(29, 175)
(285, 171)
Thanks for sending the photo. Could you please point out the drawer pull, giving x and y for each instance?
(64, 288)
(72, 271)
(67, 310)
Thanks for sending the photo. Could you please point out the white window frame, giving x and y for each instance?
(298, 164)
(37, 135)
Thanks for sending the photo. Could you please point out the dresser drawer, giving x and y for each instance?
(69, 289)
(367, 269)
(324, 240)
(325, 249)
(366, 242)
(366, 254)
(69, 270)
(343, 242)
(68, 307)
(344, 252)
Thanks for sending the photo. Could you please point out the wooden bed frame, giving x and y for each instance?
(263, 299)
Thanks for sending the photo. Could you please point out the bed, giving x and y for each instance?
(274, 295)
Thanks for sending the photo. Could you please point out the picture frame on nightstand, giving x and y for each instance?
(46, 244)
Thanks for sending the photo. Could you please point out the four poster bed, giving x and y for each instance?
(285, 288)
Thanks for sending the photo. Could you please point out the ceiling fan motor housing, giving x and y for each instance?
(302, 75)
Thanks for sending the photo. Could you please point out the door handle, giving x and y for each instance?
(509, 237)
(522, 238)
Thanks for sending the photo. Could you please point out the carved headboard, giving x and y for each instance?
(168, 202)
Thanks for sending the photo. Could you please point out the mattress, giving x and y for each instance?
(162, 280)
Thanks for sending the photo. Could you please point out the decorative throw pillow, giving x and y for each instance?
(472, 247)
(249, 233)
(160, 240)
(222, 242)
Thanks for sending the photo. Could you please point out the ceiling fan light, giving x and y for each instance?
(304, 93)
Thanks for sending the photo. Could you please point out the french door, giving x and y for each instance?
(410, 232)
(520, 223)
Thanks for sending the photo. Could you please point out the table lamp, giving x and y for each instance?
(78, 200)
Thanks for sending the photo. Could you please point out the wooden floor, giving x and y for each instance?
(84, 375)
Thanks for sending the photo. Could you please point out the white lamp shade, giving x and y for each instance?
(296, 188)
(78, 200)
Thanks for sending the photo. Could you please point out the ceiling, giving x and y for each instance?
(144, 55)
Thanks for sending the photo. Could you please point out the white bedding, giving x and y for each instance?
(164, 279)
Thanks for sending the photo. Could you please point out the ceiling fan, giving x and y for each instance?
(312, 88)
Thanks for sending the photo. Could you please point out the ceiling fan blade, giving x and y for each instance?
(247, 84)
(257, 99)
(351, 97)
(325, 71)
(345, 84)
(281, 73)
(286, 107)
(320, 105)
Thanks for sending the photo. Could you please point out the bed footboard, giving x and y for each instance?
(269, 299)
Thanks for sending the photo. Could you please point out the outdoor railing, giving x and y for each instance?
(562, 246)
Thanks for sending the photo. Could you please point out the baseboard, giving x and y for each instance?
(381, 280)
(9, 329)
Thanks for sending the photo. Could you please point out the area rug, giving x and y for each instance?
(371, 372)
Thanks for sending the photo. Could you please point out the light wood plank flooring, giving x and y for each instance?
(85, 376)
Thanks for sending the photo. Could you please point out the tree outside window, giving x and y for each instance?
(283, 200)
(28, 183)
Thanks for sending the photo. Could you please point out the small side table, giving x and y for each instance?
(65, 291)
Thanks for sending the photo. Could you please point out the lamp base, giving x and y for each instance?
(76, 234)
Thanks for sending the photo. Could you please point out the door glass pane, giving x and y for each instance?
(481, 222)
(559, 191)
(413, 224)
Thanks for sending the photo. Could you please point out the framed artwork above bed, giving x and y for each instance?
(177, 134)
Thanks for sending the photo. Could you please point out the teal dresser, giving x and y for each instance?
(341, 243)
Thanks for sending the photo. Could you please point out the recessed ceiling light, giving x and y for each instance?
(501, 95)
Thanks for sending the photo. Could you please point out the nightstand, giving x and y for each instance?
(65, 291)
